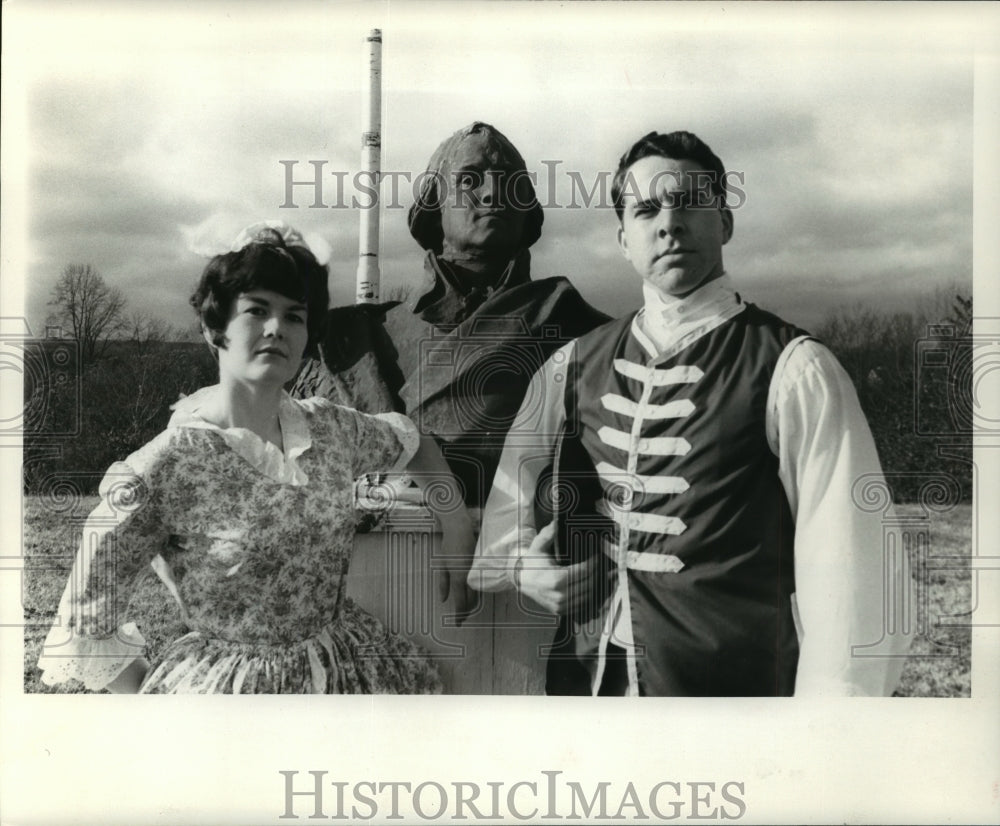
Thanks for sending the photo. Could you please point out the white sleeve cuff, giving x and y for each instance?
(93, 661)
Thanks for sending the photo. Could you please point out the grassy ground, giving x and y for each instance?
(51, 531)
(939, 667)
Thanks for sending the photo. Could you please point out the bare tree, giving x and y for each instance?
(961, 314)
(90, 310)
(144, 330)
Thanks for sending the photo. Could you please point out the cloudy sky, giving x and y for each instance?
(147, 134)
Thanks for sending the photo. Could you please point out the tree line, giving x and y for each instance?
(103, 389)
(911, 369)
(913, 374)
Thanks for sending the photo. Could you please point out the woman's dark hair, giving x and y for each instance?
(679, 146)
(264, 264)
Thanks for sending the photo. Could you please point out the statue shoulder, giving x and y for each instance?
(559, 301)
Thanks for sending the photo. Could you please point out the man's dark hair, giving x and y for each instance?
(677, 145)
(291, 271)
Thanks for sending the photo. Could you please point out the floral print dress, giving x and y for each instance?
(254, 545)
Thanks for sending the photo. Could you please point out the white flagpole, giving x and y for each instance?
(371, 162)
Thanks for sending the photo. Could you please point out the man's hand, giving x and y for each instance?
(559, 589)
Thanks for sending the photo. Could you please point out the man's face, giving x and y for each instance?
(672, 228)
(482, 205)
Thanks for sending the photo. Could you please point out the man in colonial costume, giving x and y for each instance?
(687, 509)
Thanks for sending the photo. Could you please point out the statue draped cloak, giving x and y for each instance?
(457, 360)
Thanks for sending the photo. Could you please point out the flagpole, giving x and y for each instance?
(368, 276)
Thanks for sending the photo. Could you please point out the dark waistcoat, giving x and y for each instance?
(678, 448)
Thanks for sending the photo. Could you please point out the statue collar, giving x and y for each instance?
(456, 294)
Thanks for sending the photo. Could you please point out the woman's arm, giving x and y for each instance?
(88, 641)
(444, 498)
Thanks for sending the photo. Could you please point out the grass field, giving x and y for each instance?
(939, 666)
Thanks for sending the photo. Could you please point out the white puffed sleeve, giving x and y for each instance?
(508, 525)
(843, 571)
(385, 442)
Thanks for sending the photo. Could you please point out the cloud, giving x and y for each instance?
(856, 159)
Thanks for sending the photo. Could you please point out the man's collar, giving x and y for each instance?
(707, 296)
(667, 323)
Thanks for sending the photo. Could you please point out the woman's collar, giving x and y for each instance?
(266, 457)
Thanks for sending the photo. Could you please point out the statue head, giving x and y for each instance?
(476, 198)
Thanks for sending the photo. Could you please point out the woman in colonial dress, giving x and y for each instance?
(245, 507)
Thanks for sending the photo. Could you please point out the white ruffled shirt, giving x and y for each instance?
(815, 426)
